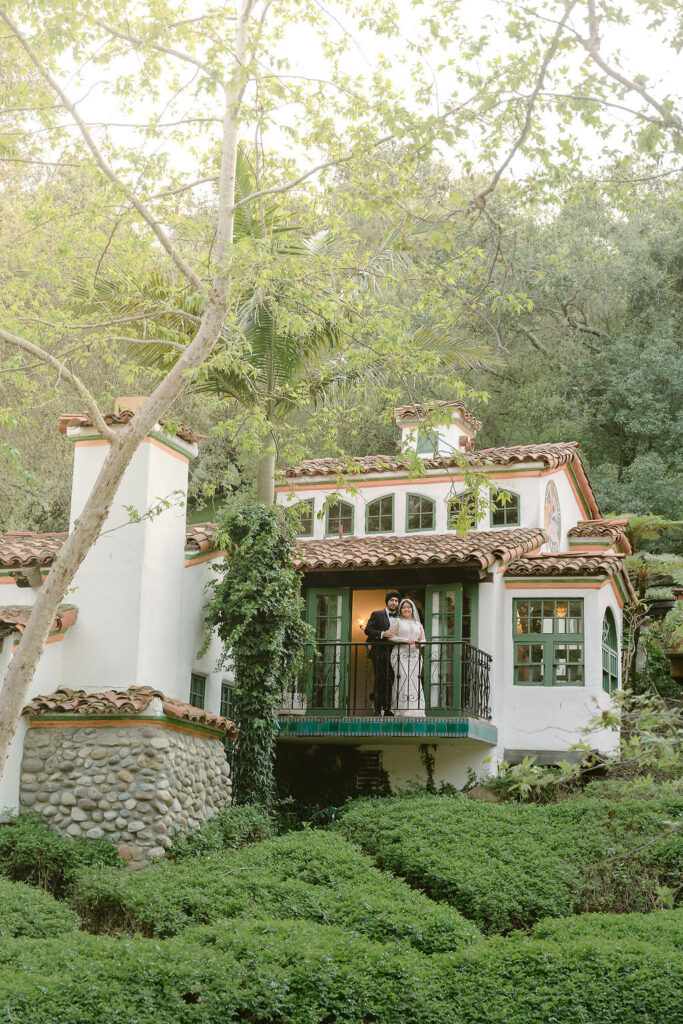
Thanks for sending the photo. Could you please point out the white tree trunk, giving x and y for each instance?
(15, 687)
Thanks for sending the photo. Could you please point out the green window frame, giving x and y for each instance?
(226, 699)
(504, 512)
(610, 653)
(379, 515)
(305, 510)
(548, 637)
(420, 513)
(197, 690)
(339, 516)
(464, 504)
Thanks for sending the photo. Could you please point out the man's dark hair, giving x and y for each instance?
(392, 593)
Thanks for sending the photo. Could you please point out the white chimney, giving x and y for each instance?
(128, 589)
(436, 428)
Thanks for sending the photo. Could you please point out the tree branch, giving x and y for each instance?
(64, 372)
(102, 163)
(480, 198)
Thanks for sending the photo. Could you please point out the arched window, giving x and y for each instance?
(304, 510)
(610, 654)
(504, 507)
(463, 509)
(339, 519)
(379, 515)
(420, 513)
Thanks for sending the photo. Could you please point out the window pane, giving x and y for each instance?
(304, 509)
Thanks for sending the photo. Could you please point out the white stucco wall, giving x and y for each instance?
(127, 589)
(195, 594)
(401, 761)
(553, 717)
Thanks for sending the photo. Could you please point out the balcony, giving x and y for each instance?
(442, 691)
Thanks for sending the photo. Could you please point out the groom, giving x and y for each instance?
(378, 626)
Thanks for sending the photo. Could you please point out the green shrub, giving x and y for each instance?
(231, 829)
(32, 852)
(26, 911)
(506, 866)
(642, 788)
(662, 928)
(315, 876)
(302, 973)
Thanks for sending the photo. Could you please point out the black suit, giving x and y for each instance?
(380, 653)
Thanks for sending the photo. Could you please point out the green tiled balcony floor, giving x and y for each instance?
(386, 728)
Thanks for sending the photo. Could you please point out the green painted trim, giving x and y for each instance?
(603, 542)
(579, 489)
(85, 720)
(421, 529)
(378, 533)
(548, 641)
(353, 518)
(459, 497)
(165, 439)
(311, 504)
(430, 592)
(456, 727)
(556, 579)
(507, 506)
(473, 590)
(345, 629)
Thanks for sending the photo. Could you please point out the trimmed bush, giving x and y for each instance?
(32, 852)
(303, 973)
(25, 911)
(662, 928)
(505, 866)
(315, 876)
(229, 830)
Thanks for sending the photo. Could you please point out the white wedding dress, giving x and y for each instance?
(406, 661)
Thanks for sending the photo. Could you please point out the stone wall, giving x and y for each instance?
(135, 783)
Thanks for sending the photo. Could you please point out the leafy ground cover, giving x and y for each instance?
(314, 876)
(505, 866)
(300, 972)
(27, 911)
(32, 852)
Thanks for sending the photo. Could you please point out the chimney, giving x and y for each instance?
(128, 588)
(436, 428)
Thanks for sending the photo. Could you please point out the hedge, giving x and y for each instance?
(25, 911)
(315, 876)
(505, 866)
(231, 829)
(662, 928)
(32, 852)
(303, 973)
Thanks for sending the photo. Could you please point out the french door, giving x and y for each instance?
(327, 610)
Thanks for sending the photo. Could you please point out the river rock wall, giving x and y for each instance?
(136, 785)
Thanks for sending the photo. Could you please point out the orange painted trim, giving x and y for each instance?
(546, 584)
(591, 549)
(617, 592)
(95, 443)
(413, 481)
(587, 497)
(165, 448)
(56, 638)
(204, 558)
(117, 723)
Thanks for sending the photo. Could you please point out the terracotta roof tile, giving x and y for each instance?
(551, 455)
(135, 701)
(578, 566)
(14, 618)
(83, 419)
(18, 550)
(613, 531)
(478, 548)
(199, 537)
(421, 409)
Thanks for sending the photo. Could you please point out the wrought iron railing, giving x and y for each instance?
(447, 677)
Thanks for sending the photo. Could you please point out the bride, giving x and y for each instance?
(407, 634)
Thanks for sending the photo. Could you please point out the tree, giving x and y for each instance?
(187, 86)
(257, 612)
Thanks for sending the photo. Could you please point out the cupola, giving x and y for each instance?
(438, 428)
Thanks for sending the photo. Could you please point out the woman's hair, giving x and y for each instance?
(407, 601)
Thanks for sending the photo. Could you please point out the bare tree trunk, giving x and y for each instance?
(87, 527)
(265, 482)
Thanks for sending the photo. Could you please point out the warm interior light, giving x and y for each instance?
(361, 623)
(561, 611)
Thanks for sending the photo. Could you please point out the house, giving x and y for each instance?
(522, 612)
